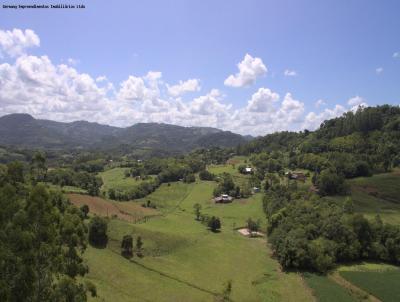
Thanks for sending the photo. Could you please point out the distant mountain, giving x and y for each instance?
(22, 130)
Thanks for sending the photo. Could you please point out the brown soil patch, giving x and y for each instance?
(128, 211)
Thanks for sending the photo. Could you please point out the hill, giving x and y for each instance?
(22, 130)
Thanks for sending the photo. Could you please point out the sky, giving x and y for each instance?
(251, 67)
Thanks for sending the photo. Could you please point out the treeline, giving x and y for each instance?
(42, 238)
(314, 234)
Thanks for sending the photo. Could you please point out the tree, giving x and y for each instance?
(41, 246)
(139, 245)
(197, 208)
(85, 210)
(214, 224)
(98, 232)
(111, 193)
(15, 172)
(331, 183)
(189, 178)
(253, 226)
(226, 294)
(38, 167)
(94, 186)
(127, 246)
(348, 206)
(206, 175)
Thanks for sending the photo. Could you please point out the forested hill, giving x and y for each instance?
(369, 138)
(22, 130)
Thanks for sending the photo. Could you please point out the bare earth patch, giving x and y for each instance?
(245, 232)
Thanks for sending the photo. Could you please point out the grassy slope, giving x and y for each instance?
(326, 290)
(186, 262)
(115, 178)
(379, 194)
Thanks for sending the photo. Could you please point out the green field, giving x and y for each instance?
(326, 290)
(379, 280)
(115, 179)
(186, 262)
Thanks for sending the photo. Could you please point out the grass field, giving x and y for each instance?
(183, 261)
(186, 262)
(115, 178)
(380, 280)
(326, 290)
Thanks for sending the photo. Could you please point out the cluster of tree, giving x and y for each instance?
(329, 182)
(214, 155)
(212, 222)
(127, 246)
(42, 238)
(206, 175)
(141, 190)
(226, 185)
(311, 233)
(253, 226)
(98, 232)
(68, 177)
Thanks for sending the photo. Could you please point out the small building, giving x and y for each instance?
(256, 190)
(296, 175)
(224, 198)
(248, 170)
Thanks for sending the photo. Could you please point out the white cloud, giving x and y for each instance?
(15, 42)
(262, 101)
(290, 73)
(320, 103)
(313, 120)
(396, 55)
(249, 70)
(33, 84)
(183, 87)
(354, 101)
(379, 70)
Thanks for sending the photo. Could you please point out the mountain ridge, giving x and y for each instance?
(23, 130)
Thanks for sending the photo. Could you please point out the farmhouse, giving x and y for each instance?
(248, 170)
(296, 175)
(224, 198)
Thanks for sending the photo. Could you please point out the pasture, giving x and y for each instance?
(379, 280)
(186, 262)
(379, 194)
(115, 179)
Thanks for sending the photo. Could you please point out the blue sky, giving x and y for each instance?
(336, 51)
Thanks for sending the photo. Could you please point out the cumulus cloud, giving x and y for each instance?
(249, 70)
(262, 101)
(313, 120)
(15, 42)
(379, 70)
(354, 101)
(290, 73)
(184, 86)
(35, 85)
